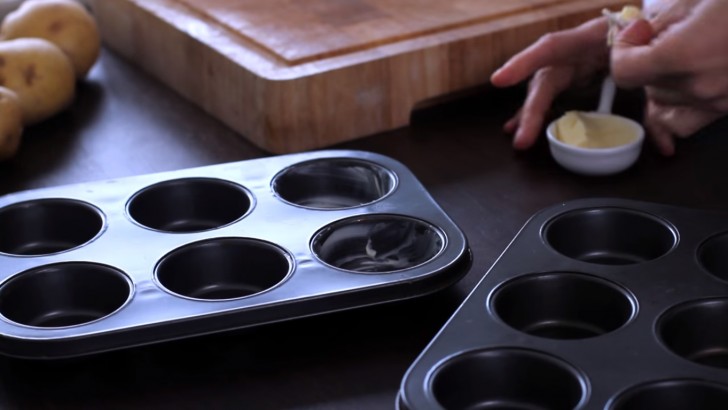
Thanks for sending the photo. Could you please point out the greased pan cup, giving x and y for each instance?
(597, 304)
(114, 264)
(597, 161)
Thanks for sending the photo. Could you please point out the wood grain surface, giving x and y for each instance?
(299, 32)
(292, 76)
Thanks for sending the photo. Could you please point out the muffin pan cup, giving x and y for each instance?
(113, 264)
(597, 303)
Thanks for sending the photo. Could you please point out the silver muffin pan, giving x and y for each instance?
(600, 303)
(105, 265)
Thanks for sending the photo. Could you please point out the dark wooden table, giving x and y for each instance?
(124, 123)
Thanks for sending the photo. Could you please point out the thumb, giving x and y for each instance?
(632, 64)
(637, 33)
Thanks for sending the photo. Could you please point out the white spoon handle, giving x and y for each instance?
(607, 96)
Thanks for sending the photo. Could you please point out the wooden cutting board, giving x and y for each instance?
(294, 75)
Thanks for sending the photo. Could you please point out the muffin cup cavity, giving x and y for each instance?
(223, 268)
(333, 183)
(47, 226)
(713, 256)
(673, 395)
(632, 294)
(189, 205)
(507, 378)
(697, 331)
(64, 294)
(610, 236)
(563, 305)
(115, 264)
(378, 243)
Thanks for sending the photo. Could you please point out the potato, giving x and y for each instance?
(40, 74)
(11, 123)
(65, 23)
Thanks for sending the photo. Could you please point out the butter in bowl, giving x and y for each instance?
(595, 143)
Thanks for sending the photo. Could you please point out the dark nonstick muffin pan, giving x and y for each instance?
(597, 303)
(106, 265)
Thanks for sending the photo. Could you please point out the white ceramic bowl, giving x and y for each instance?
(597, 161)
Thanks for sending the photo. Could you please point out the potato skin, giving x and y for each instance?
(40, 74)
(65, 23)
(11, 123)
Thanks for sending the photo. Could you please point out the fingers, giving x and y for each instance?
(511, 125)
(563, 47)
(645, 52)
(637, 33)
(683, 122)
(661, 138)
(552, 62)
(545, 86)
(665, 123)
(666, 95)
(632, 57)
(662, 14)
(708, 91)
(670, 44)
(684, 93)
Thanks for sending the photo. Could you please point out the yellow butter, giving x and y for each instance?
(630, 13)
(593, 131)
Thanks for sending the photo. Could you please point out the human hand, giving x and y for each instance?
(556, 62)
(677, 56)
